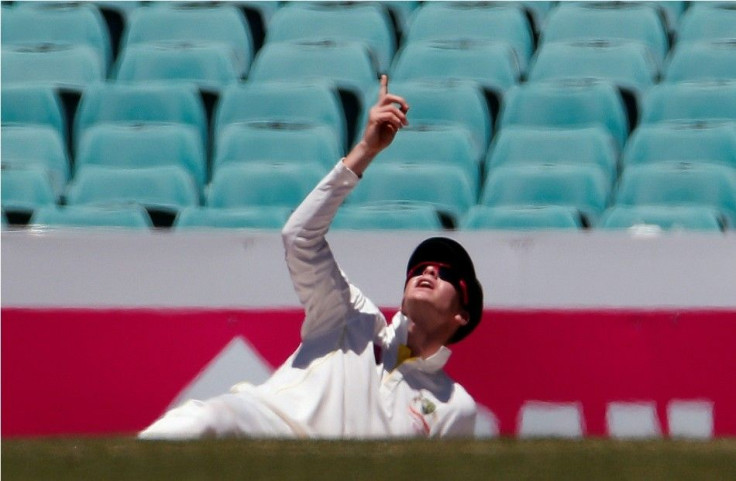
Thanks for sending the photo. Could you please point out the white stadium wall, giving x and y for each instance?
(601, 334)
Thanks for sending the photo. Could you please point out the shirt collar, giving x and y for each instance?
(433, 363)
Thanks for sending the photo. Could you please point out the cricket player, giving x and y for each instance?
(354, 375)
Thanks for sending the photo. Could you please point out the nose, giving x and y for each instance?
(431, 270)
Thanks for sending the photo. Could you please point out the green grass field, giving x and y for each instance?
(504, 459)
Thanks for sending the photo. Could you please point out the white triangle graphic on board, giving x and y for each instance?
(237, 362)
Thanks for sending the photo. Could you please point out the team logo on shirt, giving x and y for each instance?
(422, 411)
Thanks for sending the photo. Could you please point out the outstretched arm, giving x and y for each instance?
(386, 117)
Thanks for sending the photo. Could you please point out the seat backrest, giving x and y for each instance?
(142, 146)
(65, 66)
(34, 145)
(24, 190)
(141, 103)
(363, 22)
(626, 63)
(277, 142)
(566, 104)
(474, 20)
(482, 217)
(492, 64)
(166, 188)
(193, 22)
(130, 216)
(712, 60)
(57, 22)
(707, 21)
(387, 216)
(208, 65)
(693, 101)
(260, 217)
(282, 102)
(33, 104)
(682, 140)
(636, 21)
(262, 184)
(664, 216)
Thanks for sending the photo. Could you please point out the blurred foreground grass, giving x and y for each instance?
(505, 459)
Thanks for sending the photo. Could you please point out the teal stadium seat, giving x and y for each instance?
(511, 217)
(36, 145)
(474, 21)
(635, 21)
(666, 217)
(628, 64)
(367, 22)
(33, 23)
(583, 187)
(492, 64)
(270, 141)
(518, 145)
(35, 105)
(691, 141)
(434, 144)
(308, 102)
(129, 216)
(141, 103)
(142, 146)
(252, 217)
(347, 64)
(445, 187)
(571, 103)
(712, 60)
(680, 183)
(707, 21)
(162, 189)
(458, 103)
(193, 22)
(387, 216)
(262, 184)
(209, 66)
(24, 190)
(705, 100)
(71, 67)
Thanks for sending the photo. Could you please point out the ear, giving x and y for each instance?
(462, 318)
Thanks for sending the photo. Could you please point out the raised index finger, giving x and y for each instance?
(383, 91)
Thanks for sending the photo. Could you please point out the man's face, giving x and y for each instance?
(433, 291)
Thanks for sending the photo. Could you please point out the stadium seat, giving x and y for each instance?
(572, 103)
(445, 187)
(680, 183)
(628, 64)
(24, 190)
(474, 21)
(682, 140)
(584, 187)
(483, 217)
(282, 102)
(365, 22)
(36, 145)
(518, 145)
(143, 146)
(33, 104)
(166, 188)
(447, 103)
(33, 23)
(141, 103)
(635, 21)
(65, 66)
(262, 184)
(694, 101)
(707, 21)
(492, 64)
(270, 141)
(666, 217)
(712, 60)
(387, 216)
(347, 64)
(260, 217)
(193, 23)
(434, 144)
(209, 66)
(125, 215)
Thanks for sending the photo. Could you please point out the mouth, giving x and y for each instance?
(425, 283)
